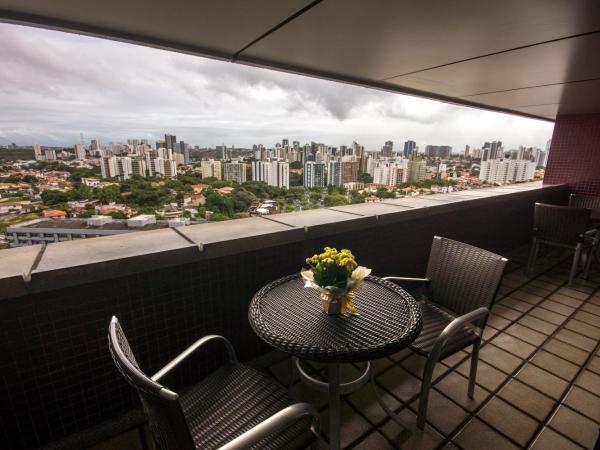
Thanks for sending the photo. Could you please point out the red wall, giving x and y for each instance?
(575, 153)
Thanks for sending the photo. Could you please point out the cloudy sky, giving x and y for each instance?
(54, 86)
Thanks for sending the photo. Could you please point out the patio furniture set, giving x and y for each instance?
(239, 407)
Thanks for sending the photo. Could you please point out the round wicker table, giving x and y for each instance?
(289, 317)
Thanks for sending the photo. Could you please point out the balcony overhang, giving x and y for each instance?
(524, 58)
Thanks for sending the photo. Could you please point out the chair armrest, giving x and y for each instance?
(191, 349)
(420, 280)
(456, 325)
(278, 422)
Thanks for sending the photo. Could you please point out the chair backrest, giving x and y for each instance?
(562, 225)
(463, 277)
(161, 406)
(584, 201)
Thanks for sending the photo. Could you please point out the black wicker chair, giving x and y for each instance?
(584, 201)
(565, 227)
(236, 407)
(462, 282)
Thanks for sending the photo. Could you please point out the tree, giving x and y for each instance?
(219, 203)
(52, 198)
(357, 197)
(295, 165)
(335, 200)
(295, 179)
(86, 213)
(30, 179)
(384, 193)
(109, 194)
(117, 215)
(242, 199)
(218, 217)
(365, 177)
(315, 196)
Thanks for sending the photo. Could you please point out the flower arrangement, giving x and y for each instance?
(336, 276)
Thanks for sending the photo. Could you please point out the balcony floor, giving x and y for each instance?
(538, 377)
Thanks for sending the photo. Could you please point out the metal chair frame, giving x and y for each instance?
(472, 314)
(565, 227)
(155, 396)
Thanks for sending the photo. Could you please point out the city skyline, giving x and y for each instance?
(116, 91)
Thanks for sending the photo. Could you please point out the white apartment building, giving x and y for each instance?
(138, 167)
(212, 169)
(391, 173)
(37, 151)
(234, 171)
(334, 173)
(114, 166)
(274, 172)
(314, 174)
(108, 167)
(498, 171)
(79, 151)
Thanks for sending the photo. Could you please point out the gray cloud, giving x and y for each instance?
(54, 86)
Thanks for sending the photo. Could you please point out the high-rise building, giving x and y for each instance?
(350, 171)
(387, 149)
(49, 154)
(222, 152)
(542, 157)
(334, 173)
(211, 169)
(498, 171)
(170, 141)
(116, 166)
(138, 167)
(274, 172)
(467, 151)
(314, 174)
(492, 150)
(438, 151)
(170, 168)
(108, 166)
(409, 149)
(391, 174)
(186, 153)
(37, 151)
(417, 169)
(234, 171)
(79, 151)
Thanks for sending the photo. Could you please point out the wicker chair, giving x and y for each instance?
(565, 227)
(462, 282)
(236, 407)
(584, 201)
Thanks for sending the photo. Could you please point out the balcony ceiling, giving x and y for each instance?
(535, 58)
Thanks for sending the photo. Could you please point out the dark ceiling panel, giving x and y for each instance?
(221, 27)
(556, 62)
(449, 50)
(548, 111)
(379, 39)
(578, 97)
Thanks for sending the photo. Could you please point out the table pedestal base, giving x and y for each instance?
(335, 390)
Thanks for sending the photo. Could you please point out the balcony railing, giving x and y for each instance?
(168, 287)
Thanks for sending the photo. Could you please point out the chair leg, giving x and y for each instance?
(588, 263)
(425, 387)
(473, 371)
(532, 256)
(575, 264)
